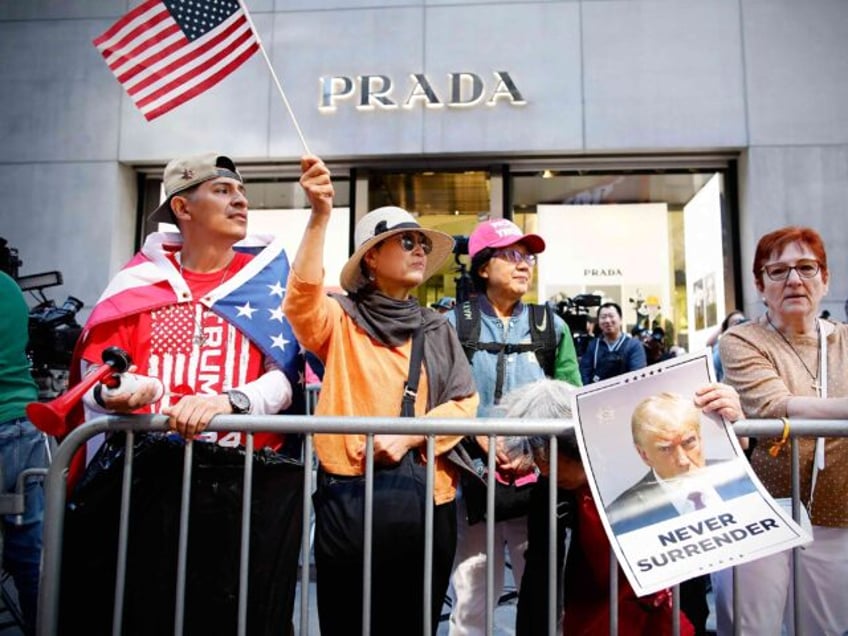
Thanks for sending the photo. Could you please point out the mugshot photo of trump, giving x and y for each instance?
(666, 434)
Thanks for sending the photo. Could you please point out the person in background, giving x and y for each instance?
(510, 343)
(656, 348)
(791, 363)
(22, 446)
(735, 317)
(365, 340)
(612, 352)
(586, 588)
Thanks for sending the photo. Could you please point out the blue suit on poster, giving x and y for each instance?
(647, 502)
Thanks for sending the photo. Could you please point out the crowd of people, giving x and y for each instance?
(494, 355)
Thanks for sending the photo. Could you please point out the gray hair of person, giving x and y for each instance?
(542, 399)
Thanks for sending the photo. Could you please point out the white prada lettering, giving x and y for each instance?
(462, 90)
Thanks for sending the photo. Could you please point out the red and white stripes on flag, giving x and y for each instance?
(164, 52)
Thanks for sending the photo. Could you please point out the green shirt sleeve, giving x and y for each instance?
(566, 367)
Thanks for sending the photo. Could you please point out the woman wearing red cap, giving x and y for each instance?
(503, 353)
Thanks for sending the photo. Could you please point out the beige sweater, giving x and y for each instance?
(766, 373)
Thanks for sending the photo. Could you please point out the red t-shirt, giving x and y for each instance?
(189, 348)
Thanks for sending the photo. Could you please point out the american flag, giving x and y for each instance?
(164, 52)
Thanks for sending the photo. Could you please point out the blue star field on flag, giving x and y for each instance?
(255, 308)
(197, 17)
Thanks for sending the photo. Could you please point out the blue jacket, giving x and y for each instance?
(521, 368)
(598, 360)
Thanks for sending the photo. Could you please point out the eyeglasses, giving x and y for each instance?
(516, 256)
(781, 271)
(409, 241)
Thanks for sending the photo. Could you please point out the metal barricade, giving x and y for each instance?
(55, 487)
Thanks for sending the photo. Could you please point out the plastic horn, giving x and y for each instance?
(50, 416)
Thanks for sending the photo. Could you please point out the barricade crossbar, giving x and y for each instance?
(308, 425)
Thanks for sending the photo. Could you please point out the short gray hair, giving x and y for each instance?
(542, 399)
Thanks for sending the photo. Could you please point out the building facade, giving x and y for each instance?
(651, 141)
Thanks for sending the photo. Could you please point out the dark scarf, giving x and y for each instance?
(391, 323)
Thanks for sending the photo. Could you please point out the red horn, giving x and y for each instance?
(50, 416)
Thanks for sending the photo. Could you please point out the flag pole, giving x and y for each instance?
(274, 76)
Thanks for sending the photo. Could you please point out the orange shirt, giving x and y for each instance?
(362, 378)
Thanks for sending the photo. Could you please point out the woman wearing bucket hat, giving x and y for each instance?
(365, 340)
(510, 344)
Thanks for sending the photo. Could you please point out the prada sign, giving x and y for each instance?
(460, 90)
(609, 271)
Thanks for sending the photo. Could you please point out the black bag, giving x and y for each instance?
(511, 501)
(399, 494)
(398, 509)
(212, 585)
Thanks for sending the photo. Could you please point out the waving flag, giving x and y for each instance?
(164, 52)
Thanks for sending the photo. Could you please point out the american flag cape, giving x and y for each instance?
(250, 300)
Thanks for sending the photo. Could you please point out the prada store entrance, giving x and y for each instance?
(657, 241)
(656, 237)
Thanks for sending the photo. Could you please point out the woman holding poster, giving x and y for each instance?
(790, 363)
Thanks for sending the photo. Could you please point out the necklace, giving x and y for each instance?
(815, 377)
(223, 276)
(199, 338)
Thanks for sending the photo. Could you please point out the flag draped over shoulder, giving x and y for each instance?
(164, 52)
(251, 300)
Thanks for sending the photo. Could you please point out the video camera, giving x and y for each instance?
(53, 331)
(575, 312)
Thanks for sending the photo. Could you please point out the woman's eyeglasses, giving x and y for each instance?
(409, 241)
(780, 271)
(516, 256)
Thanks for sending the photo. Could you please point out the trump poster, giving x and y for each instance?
(673, 487)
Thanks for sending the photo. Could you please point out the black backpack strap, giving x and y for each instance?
(543, 336)
(467, 316)
(410, 388)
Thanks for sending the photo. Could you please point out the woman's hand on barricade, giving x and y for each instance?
(192, 414)
(501, 457)
(390, 449)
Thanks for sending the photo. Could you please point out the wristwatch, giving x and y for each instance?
(239, 402)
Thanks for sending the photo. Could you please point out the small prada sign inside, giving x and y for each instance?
(602, 271)
(461, 90)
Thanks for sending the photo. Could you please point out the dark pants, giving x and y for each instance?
(693, 602)
(397, 577)
(532, 616)
(213, 553)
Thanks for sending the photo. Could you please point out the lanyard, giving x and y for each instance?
(611, 349)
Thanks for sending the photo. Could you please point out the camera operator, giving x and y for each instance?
(575, 312)
(22, 446)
